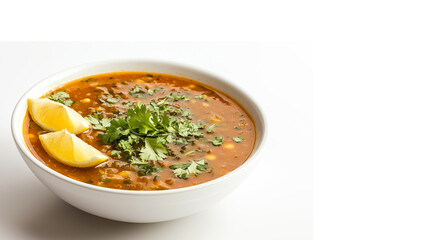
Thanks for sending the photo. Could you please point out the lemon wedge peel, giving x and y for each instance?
(53, 116)
(70, 150)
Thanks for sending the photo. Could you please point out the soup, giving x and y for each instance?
(159, 131)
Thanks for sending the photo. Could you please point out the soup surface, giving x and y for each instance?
(179, 132)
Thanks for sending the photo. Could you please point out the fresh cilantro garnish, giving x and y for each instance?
(61, 97)
(218, 140)
(237, 128)
(177, 96)
(112, 100)
(150, 92)
(90, 181)
(98, 121)
(187, 128)
(182, 170)
(193, 151)
(237, 139)
(136, 89)
(147, 169)
(199, 96)
(210, 129)
(127, 182)
(104, 102)
(187, 113)
(115, 153)
(105, 180)
(141, 137)
(153, 150)
(118, 128)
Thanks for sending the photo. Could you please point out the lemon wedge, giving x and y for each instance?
(53, 116)
(68, 149)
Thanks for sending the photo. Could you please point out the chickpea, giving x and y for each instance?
(85, 100)
(229, 146)
(210, 157)
(124, 174)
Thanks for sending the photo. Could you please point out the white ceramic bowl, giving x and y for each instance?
(146, 206)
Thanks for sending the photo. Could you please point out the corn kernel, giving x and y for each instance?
(205, 104)
(191, 86)
(139, 81)
(229, 146)
(86, 100)
(124, 174)
(210, 157)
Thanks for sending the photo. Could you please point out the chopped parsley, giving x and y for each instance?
(193, 151)
(61, 97)
(237, 139)
(210, 129)
(182, 170)
(187, 113)
(147, 169)
(142, 136)
(153, 150)
(115, 153)
(177, 96)
(112, 100)
(218, 140)
(98, 121)
(135, 90)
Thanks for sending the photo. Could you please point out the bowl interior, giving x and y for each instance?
(139, 66)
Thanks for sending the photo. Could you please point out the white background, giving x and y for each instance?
(369, 81)
(275, 202)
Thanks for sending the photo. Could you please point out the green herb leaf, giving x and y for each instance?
(237, 139)
(61, 97)
(182, 170)
(115, 153)
(218, 140)
(136, 89)
(153, 150)
(147, 169)
(187, 113)
(112, 100)
(210, 129)
(117, 129)
(98, 121)
(105, 180)
(177, 96)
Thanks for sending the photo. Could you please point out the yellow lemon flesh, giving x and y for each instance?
(53, 116)
(68, 149)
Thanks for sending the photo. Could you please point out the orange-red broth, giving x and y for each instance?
(217, 108)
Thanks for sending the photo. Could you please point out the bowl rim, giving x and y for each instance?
(16, 127)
